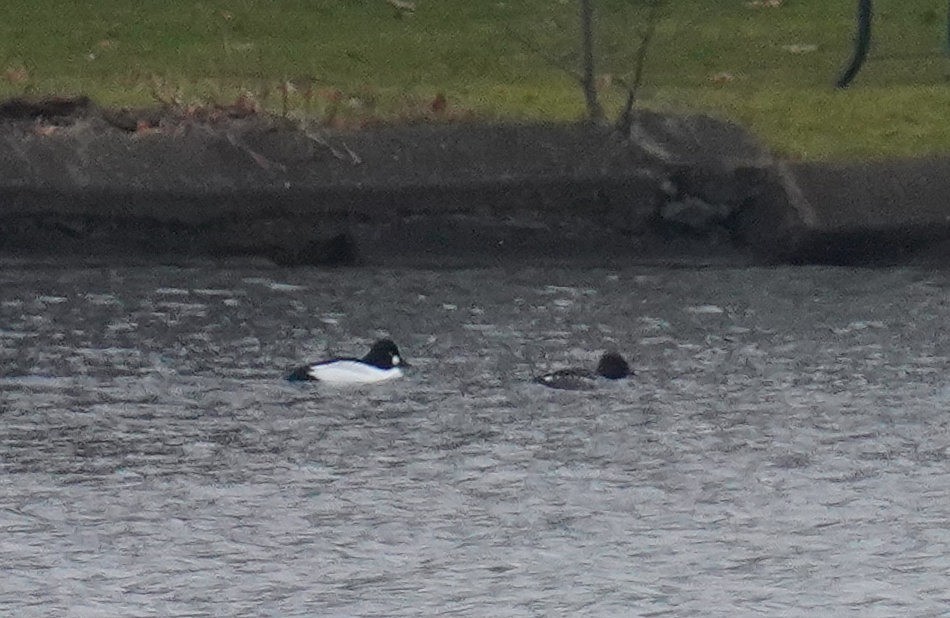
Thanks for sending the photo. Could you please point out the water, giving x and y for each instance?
(783, 448)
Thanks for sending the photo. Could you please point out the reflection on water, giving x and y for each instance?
(783, 447)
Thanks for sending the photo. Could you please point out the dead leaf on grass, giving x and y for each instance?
(333, 95)
(723, 77)
(439, 103)
(241, 47)
(246, 105)
(16, 75)
(800, 48)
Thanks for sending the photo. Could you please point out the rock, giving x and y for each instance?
(695, 214)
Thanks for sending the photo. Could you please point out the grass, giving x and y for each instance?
(356, 61)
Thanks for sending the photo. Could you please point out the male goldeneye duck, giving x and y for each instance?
(383, 362)
(612, 366)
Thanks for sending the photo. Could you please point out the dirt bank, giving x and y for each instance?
(79, 180)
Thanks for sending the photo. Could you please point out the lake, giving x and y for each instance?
(782, 449)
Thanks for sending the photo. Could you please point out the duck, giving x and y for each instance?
(382, 362)
(612, 366)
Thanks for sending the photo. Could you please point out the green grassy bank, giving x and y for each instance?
(769, 65)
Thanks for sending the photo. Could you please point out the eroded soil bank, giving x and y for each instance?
(79, 180)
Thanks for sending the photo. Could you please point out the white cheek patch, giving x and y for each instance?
(396, 360)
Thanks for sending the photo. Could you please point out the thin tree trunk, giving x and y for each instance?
(946, 48)
(594, 111)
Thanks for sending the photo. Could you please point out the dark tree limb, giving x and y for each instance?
(946, 48)
(626, 115)
(588, 79)
(862, 43)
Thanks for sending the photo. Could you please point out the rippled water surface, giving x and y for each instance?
(782, 450)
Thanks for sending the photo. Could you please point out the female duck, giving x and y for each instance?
(383, 362)
(612, 366)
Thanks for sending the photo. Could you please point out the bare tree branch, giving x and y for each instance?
(862, 42)
(557, 63)
(349, 156)
(588, 79)
(262, 161)
(626, 116)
